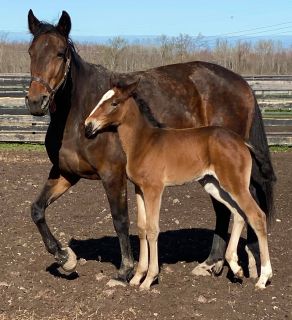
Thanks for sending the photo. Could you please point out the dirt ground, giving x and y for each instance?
(32, 287)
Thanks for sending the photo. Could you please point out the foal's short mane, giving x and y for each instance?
(142, 104)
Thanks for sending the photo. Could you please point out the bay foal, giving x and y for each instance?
(158, 157)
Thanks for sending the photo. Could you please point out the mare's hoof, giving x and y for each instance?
(239, 274)
(203, 269)
(125, 275)
(71, 263)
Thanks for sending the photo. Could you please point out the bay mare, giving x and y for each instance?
(184, 95)
(159, 157)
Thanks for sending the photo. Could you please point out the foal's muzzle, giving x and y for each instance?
(38, 106)
(89, 131)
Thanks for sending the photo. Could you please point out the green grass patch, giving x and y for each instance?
(280, 148)
(286, 110)
(21, 147)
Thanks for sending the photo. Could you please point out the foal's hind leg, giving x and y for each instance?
(252, 245)
(257, 219)
(143, 254)
(55, 186)
(231, 252)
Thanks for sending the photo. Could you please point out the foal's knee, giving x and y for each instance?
(152, 234)
(37, 213)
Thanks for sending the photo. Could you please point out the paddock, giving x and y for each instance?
(32, 287)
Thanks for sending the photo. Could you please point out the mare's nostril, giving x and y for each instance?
(26, 101)
(88, 130)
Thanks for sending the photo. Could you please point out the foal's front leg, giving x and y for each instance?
(141, 225)
(152, 200)
(55, 186)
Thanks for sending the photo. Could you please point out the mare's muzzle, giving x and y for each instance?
(39, 105)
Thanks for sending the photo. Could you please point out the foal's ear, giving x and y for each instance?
(130, 88)
(33, 23)
(64, 24)
(113, 81)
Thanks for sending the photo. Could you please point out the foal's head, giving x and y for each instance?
(50, 58)
(110, 110)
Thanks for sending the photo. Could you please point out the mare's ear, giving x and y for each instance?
(130, 88)
(64, 24)
(33, 23)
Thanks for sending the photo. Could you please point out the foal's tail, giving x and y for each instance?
(263, 176)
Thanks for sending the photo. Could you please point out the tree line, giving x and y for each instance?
(243, 57)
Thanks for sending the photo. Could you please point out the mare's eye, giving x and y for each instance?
(61, 54)
(114, 104)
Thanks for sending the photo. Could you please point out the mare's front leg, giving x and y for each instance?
(115, 184)
(215, 261)
(55, 186)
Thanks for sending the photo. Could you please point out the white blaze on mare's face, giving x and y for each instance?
(104, 98)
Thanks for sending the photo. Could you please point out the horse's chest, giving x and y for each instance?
(68, 160)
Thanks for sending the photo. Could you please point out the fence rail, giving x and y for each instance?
(16, 125)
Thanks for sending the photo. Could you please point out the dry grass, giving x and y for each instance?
(264, 57)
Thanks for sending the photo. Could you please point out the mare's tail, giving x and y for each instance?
(263, 176)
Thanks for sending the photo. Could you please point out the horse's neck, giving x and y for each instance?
(134, 129)
(89, 82)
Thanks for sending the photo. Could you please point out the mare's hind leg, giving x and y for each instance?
(115, 185)
(252, 245)
(55, 186)
(143, 254)
(215, 261)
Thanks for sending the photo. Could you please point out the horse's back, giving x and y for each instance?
(197, 93)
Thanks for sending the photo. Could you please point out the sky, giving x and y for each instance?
(155, 17)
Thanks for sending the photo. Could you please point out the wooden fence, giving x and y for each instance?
(16, 125)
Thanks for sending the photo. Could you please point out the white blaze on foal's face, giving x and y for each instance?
(109, 94)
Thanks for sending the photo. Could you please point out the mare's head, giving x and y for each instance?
(110, 110)
(50, 61)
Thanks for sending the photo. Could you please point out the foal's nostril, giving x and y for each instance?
(88, 130)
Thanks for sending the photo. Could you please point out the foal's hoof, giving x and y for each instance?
(136, 280)
(71, 263)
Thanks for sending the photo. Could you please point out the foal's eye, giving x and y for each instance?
(114, 104)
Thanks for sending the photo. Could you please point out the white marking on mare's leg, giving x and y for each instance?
(70, 264)
(204, 269)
